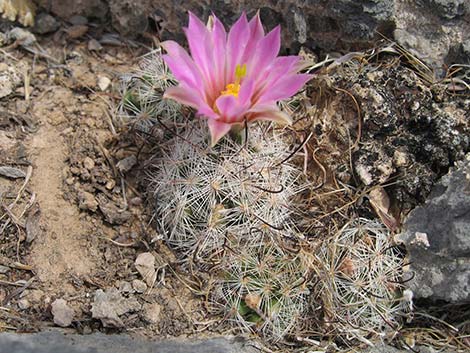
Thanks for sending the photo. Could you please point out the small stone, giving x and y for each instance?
(135, 201)
(78, 20)
(124, 165)
(103, 83)
(45, 23)
(87, 201)
(22, 36)
(114, 215)
(94, 45)
(139, 286)
(152, 312)
(62, 313)
(110, 305)
(23, 304)
(88, 163)
(145, 265)
(110, 184)
(125, 287)
(4, 269)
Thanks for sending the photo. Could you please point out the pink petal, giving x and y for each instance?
(199, 44)
(219, 40)
(183, 95)
(218, 130)
(266, 50)
(284, 88)
(272, 115)
(236, 43)
(256, 34)
(181, 64)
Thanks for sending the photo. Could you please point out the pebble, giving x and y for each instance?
(88, 163)
(152, 312)
(125, 164)
(23, 304)
(103, 83)
(94, 45)
(45, 23)
(139, 286)
(62, 313)
(87, 201)
(125, 287)
(145, 265)
(110, 305)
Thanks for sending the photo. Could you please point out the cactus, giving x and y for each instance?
(263, 288)
(362, 289)
(142, 104)
(238, 187)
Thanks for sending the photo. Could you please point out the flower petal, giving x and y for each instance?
(219, 41)
(266, 50)
(217, 130)
(181, 64)
(284, 88)
(183, 95)
(272, 115)
(236, 43)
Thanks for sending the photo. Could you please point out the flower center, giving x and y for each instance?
(234, 88)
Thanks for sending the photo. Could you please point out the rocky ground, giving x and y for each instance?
(77, 245)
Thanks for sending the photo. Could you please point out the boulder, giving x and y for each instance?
(437, 237)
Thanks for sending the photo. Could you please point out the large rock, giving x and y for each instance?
(58, 342)
(434, 30)
(437, 236)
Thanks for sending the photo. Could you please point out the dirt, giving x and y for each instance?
(79, 222)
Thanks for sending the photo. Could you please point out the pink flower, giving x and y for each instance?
(235, 77)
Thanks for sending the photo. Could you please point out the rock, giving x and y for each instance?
(62, 313)
(139, 286)
(88, 163)
(437, 239)
(87, 201)
(145, 265)
(103, 83)
(22, 36)
(129, 16)
(78, 20)
(45, 24)
(126, 164)
(23, 304)
(112, 214)
(110, 305)
(96, 9)
(448, 9)
(431, 29)
(94, 45)
(125, 287)
(60, 342)
(152, 312)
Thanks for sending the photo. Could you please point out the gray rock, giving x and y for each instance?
(110, 305)
(448, 8)
(96, 9)
(437, 236)
(45, 23)
(57, 342)
(145, 265)
(62, 313)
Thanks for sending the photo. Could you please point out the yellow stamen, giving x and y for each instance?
(234, 88)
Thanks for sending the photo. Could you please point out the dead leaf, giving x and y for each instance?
(380, 201)
(76, 31)
(13, 173)
(33, 227)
